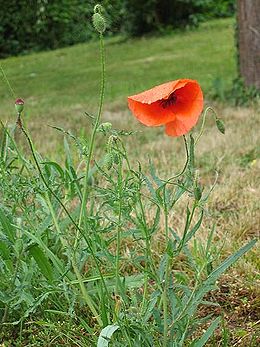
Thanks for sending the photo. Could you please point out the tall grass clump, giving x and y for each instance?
(92, 245)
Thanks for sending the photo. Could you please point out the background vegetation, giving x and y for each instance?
(42, 25)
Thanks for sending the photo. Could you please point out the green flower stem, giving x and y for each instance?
(168, 263)
(93, 135)
(119, 228)
(203, 122)
(185, 165)
(166, 280)
(65, 245)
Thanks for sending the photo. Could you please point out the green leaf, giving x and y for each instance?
(194, 229)
(58, 264)
(228, 262)
(55, 166)
(203, 340)
(106, 334)
(9, 230)
(150, 306)
(42, 261)
(4, 250)
(156, 179)
(3, 143)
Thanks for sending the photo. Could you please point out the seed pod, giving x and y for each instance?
(220, 125)
(19, 104)
(99, 22)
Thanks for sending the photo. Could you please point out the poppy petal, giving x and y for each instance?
(150, 114)
(158, 92)
(176, 128)
(177, 104)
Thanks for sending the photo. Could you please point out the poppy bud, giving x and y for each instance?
(19, 104)
(220, 125)
(98, 20)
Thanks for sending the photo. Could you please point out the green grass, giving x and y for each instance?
(55, 84)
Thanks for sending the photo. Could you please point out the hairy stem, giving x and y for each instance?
(93, 135)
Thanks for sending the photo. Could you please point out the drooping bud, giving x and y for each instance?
(19, 104)
(220, 125)
(98, 19)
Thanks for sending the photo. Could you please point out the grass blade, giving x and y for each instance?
(203, 340)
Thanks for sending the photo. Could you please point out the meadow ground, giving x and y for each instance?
(59, 86)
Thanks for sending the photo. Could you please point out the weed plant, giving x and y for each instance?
(77, 240)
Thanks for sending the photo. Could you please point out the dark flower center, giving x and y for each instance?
(168, 102)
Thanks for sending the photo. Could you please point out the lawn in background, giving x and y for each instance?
(55, 84)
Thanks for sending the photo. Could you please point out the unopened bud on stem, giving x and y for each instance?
(98, 19)
(220, 125)
(19, 104)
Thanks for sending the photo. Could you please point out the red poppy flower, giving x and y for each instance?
(176, 104)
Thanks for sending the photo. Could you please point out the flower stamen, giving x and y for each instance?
(168, 102)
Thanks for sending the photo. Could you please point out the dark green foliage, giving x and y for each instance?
(143, 17)
(37, 25)
(140, 17)
(238, 95)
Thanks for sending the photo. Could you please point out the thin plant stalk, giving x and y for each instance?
(166, 280)
(93, 135)
(119, 228)
(185, 164)
(203, 122)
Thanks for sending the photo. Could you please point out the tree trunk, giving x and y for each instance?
(249, 41)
